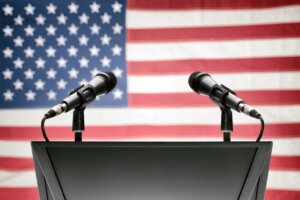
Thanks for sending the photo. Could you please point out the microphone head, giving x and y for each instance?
(110, 80)
(201, 82)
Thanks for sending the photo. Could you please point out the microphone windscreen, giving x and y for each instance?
(193, 80)
(110, 80)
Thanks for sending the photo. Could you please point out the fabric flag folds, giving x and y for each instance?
(48, 48)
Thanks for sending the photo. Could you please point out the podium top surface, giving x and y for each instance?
(151, 143)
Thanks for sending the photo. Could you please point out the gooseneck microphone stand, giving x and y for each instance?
(226, 113)
(226, 124)
(78, 123)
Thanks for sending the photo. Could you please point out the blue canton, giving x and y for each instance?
(48, 48)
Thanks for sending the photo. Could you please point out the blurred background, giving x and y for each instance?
(49, 48)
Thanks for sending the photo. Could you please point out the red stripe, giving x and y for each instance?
(214, 66)
(19, 193)
(147, 131)
(282, 195)
(32, 194)
(16, 164)
(268, 97)
(277, 163)
(285, 163)
(214, 33)
(205, 4)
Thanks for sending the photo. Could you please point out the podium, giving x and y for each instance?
(151, 170)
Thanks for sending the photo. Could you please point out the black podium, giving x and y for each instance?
(151, 170)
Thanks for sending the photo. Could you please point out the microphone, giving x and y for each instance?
(101, 84)
(203, 83)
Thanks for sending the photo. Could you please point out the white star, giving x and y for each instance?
(39, 85)
(40, 20)
(51, 8)
(51, 74)
(7, 74)
(105, 40)
(18, 41)
(95, 29)
(105, 61)
(73, 29)
(40, 63)
(50, 52)
(61, 40)
(61, 84)
(83, 18)
(117, 29)
(30, 96)
(72, 51)
(94, 51)
(95, 7)
(62, 19)
(8, 10)
(29, 52)
(51, 95)
(62, 63)
(8, 52)
(118, 93)
(18, 84)
(40, 41)
(29, 9)
(105, 18)
(116, 7)
(83, 82)
(118, 72)
(19, 20)
(51, 30)
(94, 72)
(8, 95)
(73, 73)
(73, 8)
(29, 74)
(83, 62)
(29, 30)
(18, 63)
(83, 40)
(116, 50)
(8, 31)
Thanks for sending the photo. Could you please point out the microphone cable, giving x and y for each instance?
(262, 127)
(43, 128)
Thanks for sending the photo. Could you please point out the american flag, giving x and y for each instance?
(49, 48)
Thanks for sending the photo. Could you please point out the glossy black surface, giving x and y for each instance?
(151, 171)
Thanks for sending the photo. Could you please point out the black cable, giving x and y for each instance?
(262, 127)
(43, 129)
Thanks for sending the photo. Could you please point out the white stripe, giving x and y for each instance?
(285, 180)
(15, 149)
(17, 179)
(235, 81)
(150, 116)
(281, 147)
(289, 180)
(204, 18)
(213, 49)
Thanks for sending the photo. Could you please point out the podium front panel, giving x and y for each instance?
(151, 171)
